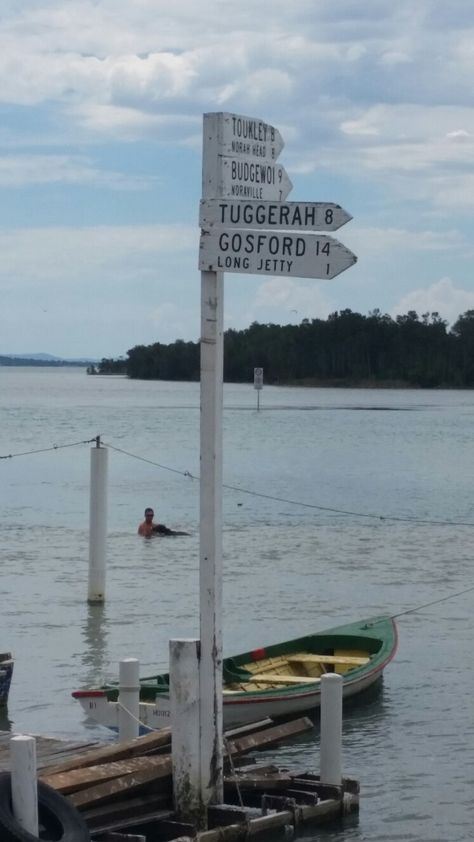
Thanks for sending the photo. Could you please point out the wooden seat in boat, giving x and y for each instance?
(345, 660)
(269, 678)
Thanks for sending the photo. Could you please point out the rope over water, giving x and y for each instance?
(434, 602)
(47, 449)
(259, 494)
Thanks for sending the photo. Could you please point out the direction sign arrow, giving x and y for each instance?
(254, 252)
(246, 137)
(238, 178)
(305, 216)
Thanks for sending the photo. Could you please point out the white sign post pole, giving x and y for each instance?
(210, 552)
(258, 383)
(262, 234)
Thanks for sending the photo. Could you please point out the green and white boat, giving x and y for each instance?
(274, 681)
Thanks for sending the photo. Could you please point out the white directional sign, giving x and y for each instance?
(257, 252)
(305, 216)
(241, 179)
(247, 137)
(239, 159)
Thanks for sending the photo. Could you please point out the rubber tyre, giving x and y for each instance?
(59, 821)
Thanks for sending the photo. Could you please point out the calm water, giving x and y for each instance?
(289, 569)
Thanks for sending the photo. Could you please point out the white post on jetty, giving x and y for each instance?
(184, 699)
(24, 783)
(129, 699)
(331, 729)
(98, 523)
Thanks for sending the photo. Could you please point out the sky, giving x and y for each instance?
(101, 108)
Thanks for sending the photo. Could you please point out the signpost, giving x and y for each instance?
(305, 216)
(274, 253)
(258, 179)
(258, 383)
(239, 159)
(247, 137)
(247, 226)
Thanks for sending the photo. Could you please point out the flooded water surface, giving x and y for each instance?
(352, 503)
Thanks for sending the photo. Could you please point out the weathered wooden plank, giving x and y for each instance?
(116, 814)
(246, 729)
(264, 739)
(221, 815)
(77, 779)
(252, 768)
(126, 783)
(114, 824)
(48, 750)
(116, 751)
(262, 783)
(273, 678)
(344, 660)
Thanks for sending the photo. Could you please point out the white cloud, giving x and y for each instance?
(393, 57)
(98, 290)
(21, 170)
(61, 255)
(374, 102)
(379, 241)
(286, 300)
(442, 297)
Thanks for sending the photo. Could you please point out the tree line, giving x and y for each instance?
(345, 349)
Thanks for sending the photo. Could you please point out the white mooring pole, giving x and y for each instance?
(129, 699)
(184, 699)
(24, 783)
(331, 729)
(210, 550)
(98, 523)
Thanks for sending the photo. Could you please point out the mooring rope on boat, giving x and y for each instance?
(135, 718)
(224, 739)
(433, 602)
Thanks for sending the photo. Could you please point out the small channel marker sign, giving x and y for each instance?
(257, 252)
(305, 216)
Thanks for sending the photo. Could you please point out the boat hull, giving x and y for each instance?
(6, 672)
(241, 708)
(156, 715)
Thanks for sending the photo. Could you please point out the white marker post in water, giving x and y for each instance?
(98, 523)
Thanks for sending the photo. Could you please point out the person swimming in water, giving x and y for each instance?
(147, 528)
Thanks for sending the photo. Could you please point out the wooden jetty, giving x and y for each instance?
(124, 790)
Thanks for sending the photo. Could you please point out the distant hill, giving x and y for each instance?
(46, 357)
(42, 360)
